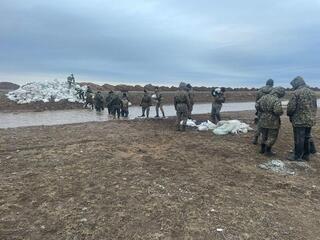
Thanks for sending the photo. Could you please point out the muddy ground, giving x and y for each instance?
(143, 180)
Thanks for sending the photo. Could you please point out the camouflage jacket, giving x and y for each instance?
(302, 107)
(158, 97)
(263, 91)
(219, 99)
(115, 101)
(270, 109)
(181, 101)
(146, 100)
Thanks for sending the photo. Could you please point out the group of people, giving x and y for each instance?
(301, 110)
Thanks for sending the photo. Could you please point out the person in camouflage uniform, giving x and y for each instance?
(270, 110)
(98, 102)
(125, 105)
(159, 105)
(115, 104)
(146, 102)
(182, 106)
(108, 101)
(191, 98)
(302, 111)
(89, 98)
(218, 99)
(261, 92)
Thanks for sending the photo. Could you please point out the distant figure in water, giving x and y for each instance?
(125, 106)
(218, 100)
(146, 102)
(98, 102)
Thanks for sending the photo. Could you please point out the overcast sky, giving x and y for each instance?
(204, 42)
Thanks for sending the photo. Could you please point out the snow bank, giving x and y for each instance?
(46, 91)
(222, 128)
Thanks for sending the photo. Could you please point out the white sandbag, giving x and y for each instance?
(190, 123)
(231, 126)
(202, 128)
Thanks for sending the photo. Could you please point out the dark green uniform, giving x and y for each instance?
(261, 92)
(270, 109)
(146, 102)
(115, 104)
(98, 102)
(182, 106)
(302, 111)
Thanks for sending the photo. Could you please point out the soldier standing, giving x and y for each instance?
(261, 92)
(108, 101)
(302, 111)
(115, 104)
(182, 106)
(218, 99)
(98, 101)
(146, 102)
(71, 80)
(159, 105)
(191, 98)
(270, 110)
(125, 105)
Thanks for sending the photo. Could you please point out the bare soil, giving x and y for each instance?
(143, 180)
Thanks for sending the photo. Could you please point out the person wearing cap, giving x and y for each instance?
(302, 112)
(261, 92)
(182, 106)
(218, 100)
(270, 109)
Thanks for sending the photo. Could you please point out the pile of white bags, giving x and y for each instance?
(222, 128)
(46, 91)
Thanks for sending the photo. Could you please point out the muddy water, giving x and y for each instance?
(23, 119)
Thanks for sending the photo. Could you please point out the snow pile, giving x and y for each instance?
(277, 166)
(46, 91)
(222, 128)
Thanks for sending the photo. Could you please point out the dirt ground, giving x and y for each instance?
(143, 180)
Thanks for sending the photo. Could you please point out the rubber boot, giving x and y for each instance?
(269, 152)
(263, 148)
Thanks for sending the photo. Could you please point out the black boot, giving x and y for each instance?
(269, 152)
(263, 148)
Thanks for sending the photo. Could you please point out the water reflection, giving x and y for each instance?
(22, 119)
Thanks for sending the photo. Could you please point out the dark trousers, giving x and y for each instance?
(116, 112)
(124, 113)
(302, 136)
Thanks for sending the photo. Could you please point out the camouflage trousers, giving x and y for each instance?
(269, 136)
(190, 111)
(215, 112)
(182, 115)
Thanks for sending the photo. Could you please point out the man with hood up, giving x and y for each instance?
(270, 110)
(261, 92)
(191, 97)
(302, 111)
(182, 106)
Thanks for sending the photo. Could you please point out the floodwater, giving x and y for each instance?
(58, 117)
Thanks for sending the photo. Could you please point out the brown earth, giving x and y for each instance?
(143, 180)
